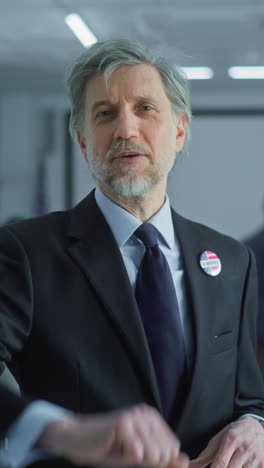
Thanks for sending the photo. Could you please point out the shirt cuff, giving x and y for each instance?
(23, 434)
(259, 418)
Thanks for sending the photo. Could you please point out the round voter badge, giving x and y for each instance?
(210, 263)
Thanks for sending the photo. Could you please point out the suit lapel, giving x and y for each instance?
(95, 250)
(200, 291)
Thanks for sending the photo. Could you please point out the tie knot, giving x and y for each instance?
(147, 233)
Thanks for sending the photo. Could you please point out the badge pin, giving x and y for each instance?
(210, 263)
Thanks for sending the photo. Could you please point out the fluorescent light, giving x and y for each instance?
(80, 29)
(198, 73)
(246, 73)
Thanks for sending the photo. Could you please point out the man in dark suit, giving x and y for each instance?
(70, 313)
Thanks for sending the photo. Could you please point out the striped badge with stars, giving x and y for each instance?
(210, 263)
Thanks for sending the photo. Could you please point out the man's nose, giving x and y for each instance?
(126, 126)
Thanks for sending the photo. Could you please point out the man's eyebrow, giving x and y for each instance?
(105, 102)
(147, 98)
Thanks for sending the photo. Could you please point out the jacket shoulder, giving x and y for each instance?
(209, 239)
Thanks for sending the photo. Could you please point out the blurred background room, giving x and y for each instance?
(219, 182)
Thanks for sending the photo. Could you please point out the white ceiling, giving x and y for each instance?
(36, 46)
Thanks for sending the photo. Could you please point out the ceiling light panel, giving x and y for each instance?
(80, 29)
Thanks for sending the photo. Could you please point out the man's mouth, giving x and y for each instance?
(128, 154)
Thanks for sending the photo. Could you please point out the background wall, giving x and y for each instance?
(32, 130)
(220, 183)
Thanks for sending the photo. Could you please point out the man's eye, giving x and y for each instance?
(103, 113)
(147, 107)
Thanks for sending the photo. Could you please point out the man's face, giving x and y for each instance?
(130, 135)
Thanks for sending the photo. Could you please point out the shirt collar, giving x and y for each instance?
(123, 224)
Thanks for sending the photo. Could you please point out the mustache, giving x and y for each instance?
(124, 145)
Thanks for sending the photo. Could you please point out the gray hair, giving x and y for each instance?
(105, 57)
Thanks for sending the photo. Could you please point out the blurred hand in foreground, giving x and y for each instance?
(136, 436)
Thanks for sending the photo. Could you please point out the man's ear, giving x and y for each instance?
(82, 143)
(180, 132)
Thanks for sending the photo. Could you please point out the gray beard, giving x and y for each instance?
(128, 184)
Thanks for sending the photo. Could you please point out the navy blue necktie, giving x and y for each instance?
(158, 305)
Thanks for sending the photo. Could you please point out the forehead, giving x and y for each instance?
(126, 83)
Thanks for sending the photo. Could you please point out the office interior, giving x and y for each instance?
(218, 182)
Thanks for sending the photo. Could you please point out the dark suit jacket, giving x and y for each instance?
(11, 406)
(69, 319)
